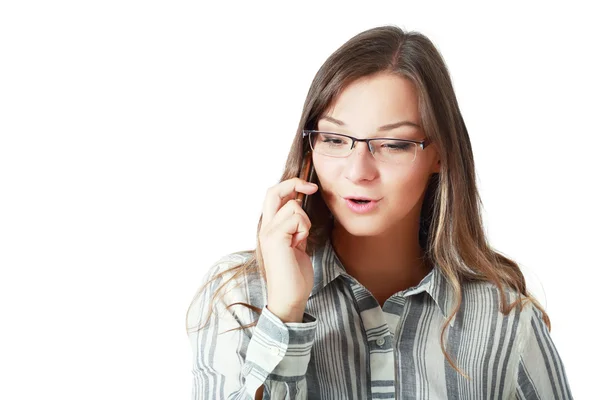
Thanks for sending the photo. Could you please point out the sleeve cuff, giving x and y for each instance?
(280, 348)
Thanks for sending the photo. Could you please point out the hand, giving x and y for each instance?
(282, 237)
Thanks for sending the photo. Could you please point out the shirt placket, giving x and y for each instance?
(380, 343)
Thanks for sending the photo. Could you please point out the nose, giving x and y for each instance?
(360, 164)
(361, 148)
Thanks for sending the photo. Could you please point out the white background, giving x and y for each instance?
(114, 202)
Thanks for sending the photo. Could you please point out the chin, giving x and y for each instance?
(362, 225)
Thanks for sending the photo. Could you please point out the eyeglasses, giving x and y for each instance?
(389, 150)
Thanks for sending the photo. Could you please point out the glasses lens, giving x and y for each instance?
(394, 151)
(386, 150)
(330, 144)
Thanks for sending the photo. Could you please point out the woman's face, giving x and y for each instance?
(363, 107)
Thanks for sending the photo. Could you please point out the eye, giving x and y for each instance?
(396, 145)
(331, 140)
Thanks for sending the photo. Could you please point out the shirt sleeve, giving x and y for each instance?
(234, 364)
(541, 373)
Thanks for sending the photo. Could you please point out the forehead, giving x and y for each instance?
(370, 102)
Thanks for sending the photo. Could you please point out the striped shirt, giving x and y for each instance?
(350, 347)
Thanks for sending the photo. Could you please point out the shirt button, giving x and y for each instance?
(380, 342)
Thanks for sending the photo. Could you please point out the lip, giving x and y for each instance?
(359, 198)
(362, 208)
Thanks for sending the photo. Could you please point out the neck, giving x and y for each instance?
(384, 264)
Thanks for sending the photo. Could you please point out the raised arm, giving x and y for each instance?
(234, 364)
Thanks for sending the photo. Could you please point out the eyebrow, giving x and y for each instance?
(387, 127)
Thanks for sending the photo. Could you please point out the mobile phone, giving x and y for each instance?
(307, 173)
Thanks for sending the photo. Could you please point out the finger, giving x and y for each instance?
(286, 212)
(299, 240)
(302, 244)
(281, 194)
(289, 230)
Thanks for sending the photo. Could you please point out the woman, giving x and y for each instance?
(395, 296)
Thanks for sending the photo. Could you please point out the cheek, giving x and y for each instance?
(326, 170)
(326, 173)
(406, 187)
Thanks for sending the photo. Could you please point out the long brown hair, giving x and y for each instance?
(451, 229)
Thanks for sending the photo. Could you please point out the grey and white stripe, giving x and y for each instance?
(350, 347)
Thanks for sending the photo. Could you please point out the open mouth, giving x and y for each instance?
(360, 201)
(362, 206)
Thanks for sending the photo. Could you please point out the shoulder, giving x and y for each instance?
(224, 268)
(235, 279)
(489, 295)
(481, 311)
(485, 299)
(223, 284)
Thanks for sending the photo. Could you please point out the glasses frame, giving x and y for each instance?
(422, 144)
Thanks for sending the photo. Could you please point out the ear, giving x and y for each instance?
(437, 167)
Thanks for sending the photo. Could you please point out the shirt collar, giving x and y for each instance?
(327, 267)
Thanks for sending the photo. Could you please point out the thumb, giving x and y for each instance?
(302, 244)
